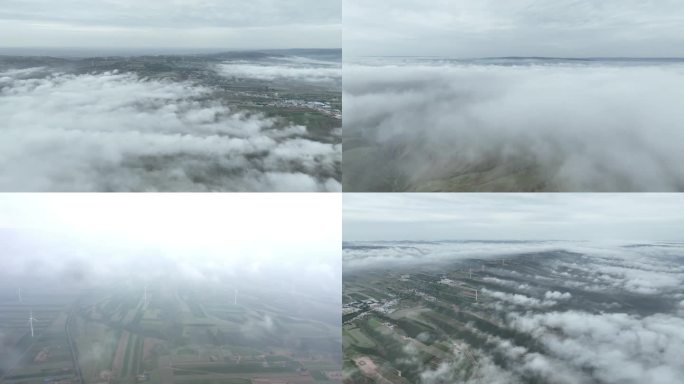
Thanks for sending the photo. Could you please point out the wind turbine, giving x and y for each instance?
(30, 321)
(235, 296)
(21, 300)
(470, 273)
(476, 295)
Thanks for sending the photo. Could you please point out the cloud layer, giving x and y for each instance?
(569, 127)
(300, 69)
(513, 216)
(118, 132)
(485, 28)
(155, 24)
(584, 313)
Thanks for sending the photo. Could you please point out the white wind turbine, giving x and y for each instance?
(21, 300)
(30, 321)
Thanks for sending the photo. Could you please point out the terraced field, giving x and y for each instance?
(529, 309)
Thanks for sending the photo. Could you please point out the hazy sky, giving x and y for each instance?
(176, 24)
(536, 216)
(484, 28)
(198, 229)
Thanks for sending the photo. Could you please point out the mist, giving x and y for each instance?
(228, 279)
(490, 28)
(370, 255)
(547, 126)
(156, 25)
(293, 68)
(556, 312)
(196, 238)
(120, 131)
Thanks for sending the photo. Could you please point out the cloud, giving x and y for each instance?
(615, 347)
(520, 300)
(466, 28)
(302, 71)
(280, 251)
(590, 257)
(555, 295)
(638, 280)
(177, 13)
(118, 132)
(259, 326)
(561, 127)
(513, 216)
(177, 24)
(556, 312)
(91, 240)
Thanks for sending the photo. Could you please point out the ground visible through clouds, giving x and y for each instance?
(544, 312)
(197, 289)
(513, 125)
(242, 121)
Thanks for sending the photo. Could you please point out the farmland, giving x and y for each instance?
(163, 333)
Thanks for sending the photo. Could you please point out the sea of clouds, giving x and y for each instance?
(119, 132)
(297, 68)
(562, 126)
(599, 313)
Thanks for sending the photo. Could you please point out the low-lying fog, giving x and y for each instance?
(125, 131)
(594, 313)
(534, 125)
(276, 256)
(250, 240)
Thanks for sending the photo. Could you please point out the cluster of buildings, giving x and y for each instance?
(318, 106)
(363, 307)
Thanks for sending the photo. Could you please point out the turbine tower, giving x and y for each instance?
(21, 300)
(476, 295)
(470, 273)
(236, 296)
(30, 321)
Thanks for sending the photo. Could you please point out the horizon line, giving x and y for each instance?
(529, 57)
(517, 241)
(122, 51)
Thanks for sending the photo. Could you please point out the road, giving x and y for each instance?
(72, 348)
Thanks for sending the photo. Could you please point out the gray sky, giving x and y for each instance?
(230, 228)
(537, 216)
(173, 24)
(485, 28)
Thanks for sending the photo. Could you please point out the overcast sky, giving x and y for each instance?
(536, 216)
(486, 28)
(171, 24)
(204, 228)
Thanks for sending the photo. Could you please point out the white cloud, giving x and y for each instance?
(515, 128)
(520, 300)
(588, 257)
(320, 73)
(616, 347)
(485, 28)
(210, 238)
(550, 317)
(177, 24)
(555, 295)
(113, 131)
